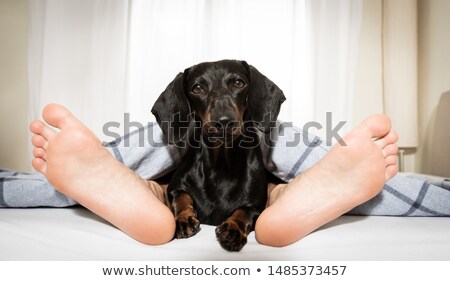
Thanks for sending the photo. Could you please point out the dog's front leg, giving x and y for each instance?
(185, 216)
(232, 233)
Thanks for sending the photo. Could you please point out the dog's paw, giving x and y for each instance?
(187, 225)
(231, 237)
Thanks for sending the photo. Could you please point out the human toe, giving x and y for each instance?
(39, 128)
(377, 126)
(390, 149)
(39, 165)
(391, 160)
(39, 141)
(39, 152)
(58, 116)
(390, 172)
(388, 139)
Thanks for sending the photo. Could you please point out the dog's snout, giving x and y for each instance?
(221, 103)
(223, 114)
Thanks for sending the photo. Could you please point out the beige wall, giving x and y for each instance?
(434, 71)
(14, 149)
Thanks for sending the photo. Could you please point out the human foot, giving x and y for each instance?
(76, 164)
(346, 177)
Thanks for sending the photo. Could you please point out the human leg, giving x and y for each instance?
(138, 149)
(76, 164)
(294, 151)
(347, 176)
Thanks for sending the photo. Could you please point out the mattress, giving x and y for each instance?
(77, 234)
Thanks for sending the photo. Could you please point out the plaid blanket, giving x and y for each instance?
(287, 152)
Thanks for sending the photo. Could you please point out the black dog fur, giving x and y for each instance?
(216, 109)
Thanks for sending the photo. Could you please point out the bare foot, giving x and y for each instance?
(345, 178)
(76, 164)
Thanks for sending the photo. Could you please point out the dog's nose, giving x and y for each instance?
(224, 121)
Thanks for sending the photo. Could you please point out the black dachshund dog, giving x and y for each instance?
(217, 111)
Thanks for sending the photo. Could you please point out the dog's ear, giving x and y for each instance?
(172, 110)
(264, 99)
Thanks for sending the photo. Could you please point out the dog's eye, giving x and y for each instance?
(197, 89)
(239, 83)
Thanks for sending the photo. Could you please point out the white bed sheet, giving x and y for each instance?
(77, 234)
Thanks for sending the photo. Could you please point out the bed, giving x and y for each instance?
(77, 234)
(74, 233)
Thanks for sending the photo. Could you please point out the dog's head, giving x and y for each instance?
(223, 95)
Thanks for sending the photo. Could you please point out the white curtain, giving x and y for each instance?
(334, 29)
(104, 58)
(78, 57)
